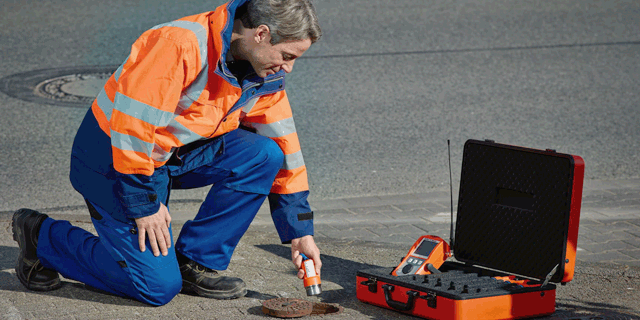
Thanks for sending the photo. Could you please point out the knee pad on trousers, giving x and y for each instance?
(162, 287)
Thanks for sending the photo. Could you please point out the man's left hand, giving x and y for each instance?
(307, 246)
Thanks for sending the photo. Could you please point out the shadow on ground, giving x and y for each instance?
(343, 272)
(8, 257)
(578, 310)
(70, 290)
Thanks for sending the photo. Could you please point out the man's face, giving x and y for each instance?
(267, 59)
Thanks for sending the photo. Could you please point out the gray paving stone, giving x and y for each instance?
(410, 214)
(634, 222)
(348, 226)
(629, 203)
(367, 218)
(447, 204)
(352, 234)
(592, 215)
(605, 228)
(402, 198)
(374, 209)
(596, 201)
(601, 238)
(595, 215)
(328, 204)
(601, 185)
(610, 194)
(395, 230)
(621, 213)
(587, 221)
(606, 246)
(439, 194)
(330, 212)
(633, 253)
(633, 232)
(633, 183)
(634, 241)
(613, 203)
(605, 256)
(623, 192)
(318, 234)
(588, 193)
(429, 206)
(399, 239)
(413, 221)
(363, 202)
(627, 262)
(584, 240)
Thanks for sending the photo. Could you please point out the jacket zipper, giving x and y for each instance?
(242, 92)
(251, 87)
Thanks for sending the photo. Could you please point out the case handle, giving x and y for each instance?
(397, 304)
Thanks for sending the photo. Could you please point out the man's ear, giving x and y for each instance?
(262, 33)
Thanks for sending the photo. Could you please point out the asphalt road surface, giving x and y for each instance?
(377, 98)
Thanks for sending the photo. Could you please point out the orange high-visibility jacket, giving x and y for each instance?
(175, 88)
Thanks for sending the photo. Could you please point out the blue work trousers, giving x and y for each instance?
(240, 166)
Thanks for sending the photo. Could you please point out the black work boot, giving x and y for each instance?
(26, 226)
(208, 283)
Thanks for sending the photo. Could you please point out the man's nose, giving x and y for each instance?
(288, 66)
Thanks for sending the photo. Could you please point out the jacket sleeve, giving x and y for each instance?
(271, 116)
(147, 92)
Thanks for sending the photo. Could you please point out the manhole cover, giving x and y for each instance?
(287, 307)
(67, 87)
(295, 308)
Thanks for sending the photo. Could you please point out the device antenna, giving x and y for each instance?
(451, 193)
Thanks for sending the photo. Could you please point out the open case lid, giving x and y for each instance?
(519, 209)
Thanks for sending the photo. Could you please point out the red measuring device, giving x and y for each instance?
(425, 257)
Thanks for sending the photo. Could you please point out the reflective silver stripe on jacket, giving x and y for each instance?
(116, 75)
(130, 143)
(273, 130)
(247, 108)
(276, 130)
(184, 134)
(153, 115)
(142, 111)
(293, 161)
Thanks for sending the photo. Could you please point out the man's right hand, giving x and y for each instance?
(157, 227)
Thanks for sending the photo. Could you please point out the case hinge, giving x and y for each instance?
(549, 276)
(372, 283)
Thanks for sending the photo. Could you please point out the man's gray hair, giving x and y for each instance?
(288, 20)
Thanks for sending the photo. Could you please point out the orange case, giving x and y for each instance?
(518, 218)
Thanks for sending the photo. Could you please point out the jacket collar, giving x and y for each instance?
(221, 68)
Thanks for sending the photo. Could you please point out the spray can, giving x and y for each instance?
(311, 279)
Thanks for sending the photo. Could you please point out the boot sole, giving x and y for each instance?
(46, 286)
(238, 292)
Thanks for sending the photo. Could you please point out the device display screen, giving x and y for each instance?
(425, 248)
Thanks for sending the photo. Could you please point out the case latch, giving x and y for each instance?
(432, 299)
(372, 283)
